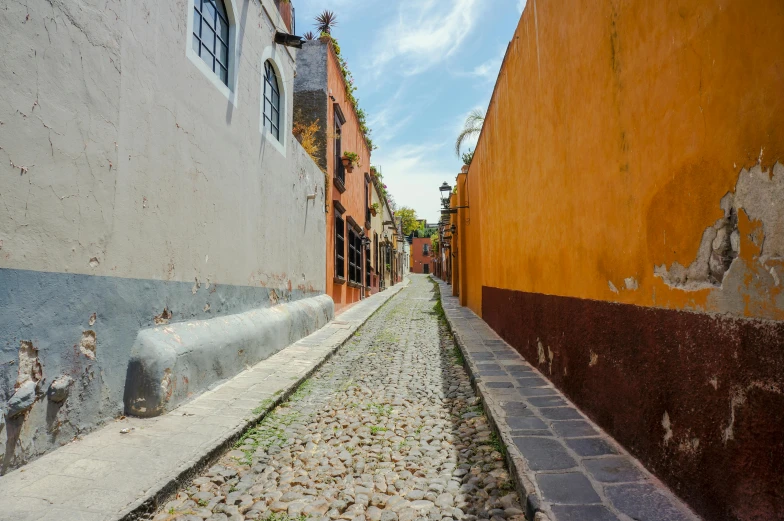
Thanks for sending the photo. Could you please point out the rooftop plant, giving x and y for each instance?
(468, 157)
(350, 87)
(326, 21)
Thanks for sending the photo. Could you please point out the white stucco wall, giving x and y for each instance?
(134, 158)
(135, 185)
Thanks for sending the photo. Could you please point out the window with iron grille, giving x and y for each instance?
(271, 100)
(367, 266)
(340, 246)
(425, 249)
(359, 248)
(367, 200)
(340, 171)
(375, 251)
(354, 257)
(211, 36)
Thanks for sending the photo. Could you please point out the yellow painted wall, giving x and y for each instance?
(614, 131)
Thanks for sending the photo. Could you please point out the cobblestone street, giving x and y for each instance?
(388, 430)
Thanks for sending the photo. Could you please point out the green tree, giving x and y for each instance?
(408, 217)
(472, 127)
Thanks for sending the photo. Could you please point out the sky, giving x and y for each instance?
(420, 67)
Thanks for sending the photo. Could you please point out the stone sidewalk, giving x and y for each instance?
(566, 468)
(127, 467)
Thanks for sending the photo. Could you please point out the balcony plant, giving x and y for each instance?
(374, 209)
(350, 160)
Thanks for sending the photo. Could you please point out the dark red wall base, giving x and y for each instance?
(720, 379)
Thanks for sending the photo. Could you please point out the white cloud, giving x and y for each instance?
(425, 33)
(489, 69)
(413, 174)
(392, 118)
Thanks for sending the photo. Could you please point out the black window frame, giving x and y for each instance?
(355, 249)
(340, 170)
(340, 246)
(200, 39)
(271, 100)
(353, 266)
(367, 266)
(375, 251)
(367, 200)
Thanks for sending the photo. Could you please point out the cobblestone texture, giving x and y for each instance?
(388, 430)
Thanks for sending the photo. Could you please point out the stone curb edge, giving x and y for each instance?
(167, 487)
(524, 480)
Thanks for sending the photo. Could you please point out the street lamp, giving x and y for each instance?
(446, 191)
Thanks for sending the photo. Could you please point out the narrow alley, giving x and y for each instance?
(388, 430)
(418, 260)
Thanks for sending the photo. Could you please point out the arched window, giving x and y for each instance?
(211, 36)
(271, 100)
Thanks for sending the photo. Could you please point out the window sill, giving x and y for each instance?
(354, 285)
(278, 145)
(338, 280)
(224, 89)
(339, 184)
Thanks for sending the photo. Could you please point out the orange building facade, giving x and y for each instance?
(633, 151)
(421, 261)
(320, 95)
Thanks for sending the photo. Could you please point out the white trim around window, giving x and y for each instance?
(273, 54)
(230, 90)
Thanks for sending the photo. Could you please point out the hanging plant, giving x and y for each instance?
(350, 160)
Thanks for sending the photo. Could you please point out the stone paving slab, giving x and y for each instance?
(566, 467)
(128, 467)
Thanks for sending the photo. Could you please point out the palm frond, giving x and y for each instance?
(309, 36)
(472, 127)
(326, 21)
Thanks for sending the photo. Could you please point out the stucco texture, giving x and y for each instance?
(625, 231)
(136, 190)
(614, 132)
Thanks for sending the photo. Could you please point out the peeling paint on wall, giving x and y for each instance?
(30, 369)
(741, 256)
(718, 249)
(667, 425)
(87, 345)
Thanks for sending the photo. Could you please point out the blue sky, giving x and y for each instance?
(420, 66)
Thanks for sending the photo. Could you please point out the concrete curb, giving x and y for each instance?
(171, 363)
(524, 479)
(160, 494)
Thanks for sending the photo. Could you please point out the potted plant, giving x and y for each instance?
(374, 209)
(350, 160)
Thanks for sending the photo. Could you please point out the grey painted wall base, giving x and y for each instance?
(81, 329)
(173, 363)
